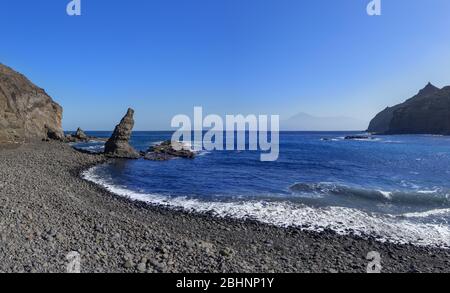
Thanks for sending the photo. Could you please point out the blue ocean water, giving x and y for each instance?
(396, 188)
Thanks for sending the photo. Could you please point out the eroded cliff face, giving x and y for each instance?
(26, 111)
(428, 112)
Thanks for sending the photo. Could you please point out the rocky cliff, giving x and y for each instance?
(26, 111)
(428, 112)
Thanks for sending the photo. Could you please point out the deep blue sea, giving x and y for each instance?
(396, 188)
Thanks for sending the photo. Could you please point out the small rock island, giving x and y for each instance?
(168, 150)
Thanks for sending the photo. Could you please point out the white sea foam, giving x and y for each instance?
(95, 147)
(397, 229)
(342, 138)
(386, 194)
(95, 141)
(187, 146)
(155, 143)
(428, 191)
(368, 139)
(192, 146)
(437, 212)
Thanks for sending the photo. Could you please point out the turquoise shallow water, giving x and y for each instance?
(394, 187)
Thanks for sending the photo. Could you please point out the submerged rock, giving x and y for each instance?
(118, 145)
(26, 111)
(168, 150)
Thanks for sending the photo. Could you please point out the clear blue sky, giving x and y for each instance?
(163, 57)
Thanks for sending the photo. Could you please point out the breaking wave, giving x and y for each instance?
(342, 220)
(434, 197)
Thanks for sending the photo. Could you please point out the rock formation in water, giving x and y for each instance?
(168, 150)
(118, 145)
(358, 137)
(26, 111)
(428, 112)
(81, 135)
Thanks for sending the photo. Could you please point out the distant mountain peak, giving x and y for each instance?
(306, 122)
(428, 89)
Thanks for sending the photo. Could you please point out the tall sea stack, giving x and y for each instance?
(118, 145)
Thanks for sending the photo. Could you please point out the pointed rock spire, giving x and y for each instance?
(118, 145)
(428, 89)
(81, 135)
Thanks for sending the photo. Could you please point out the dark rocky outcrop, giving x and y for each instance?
(428, 112)
(118, 145)
(81, 135)
(71, 138)
(167, 150)
(26, 111)
(358, 137)
(78, 136)
(53, 134)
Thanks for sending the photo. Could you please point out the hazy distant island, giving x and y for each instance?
(307, 122)
(428, 112)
